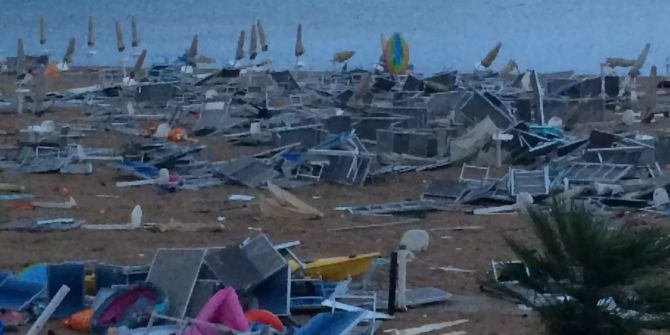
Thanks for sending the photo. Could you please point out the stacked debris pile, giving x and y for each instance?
(248, 288)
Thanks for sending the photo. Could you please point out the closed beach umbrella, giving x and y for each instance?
(299, 49)
(91, 35)
(261, 36)
(491, 56)
(134, 39)
(253, 44)
(119, 38)
(239, 54)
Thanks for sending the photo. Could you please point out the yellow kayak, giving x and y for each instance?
(337, 268)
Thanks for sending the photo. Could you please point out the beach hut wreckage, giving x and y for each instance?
(349, 127)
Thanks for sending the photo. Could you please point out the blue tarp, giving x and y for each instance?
(137, 168)
(546, 131)
(338, 323)
(16, 294)
(36, 273)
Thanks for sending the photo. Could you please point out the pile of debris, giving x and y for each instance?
(249, 288)
(349, 127)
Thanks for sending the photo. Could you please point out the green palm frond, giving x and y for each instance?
(616, 278)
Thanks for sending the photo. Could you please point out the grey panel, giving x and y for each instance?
(308, 137)
(244, 267)
(478, 107)
(385, 139)
(203, 291)
(338, 124)
(274, 294)
(108, 275)
(248, 171)
(534, 182)
(418, 144)
(175, 271)
(594, 172)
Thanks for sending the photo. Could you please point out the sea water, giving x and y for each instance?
(547, 35)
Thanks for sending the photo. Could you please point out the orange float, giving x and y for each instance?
(264, 317)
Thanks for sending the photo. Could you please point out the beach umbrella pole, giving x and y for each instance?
(123, 63)
(48, 311)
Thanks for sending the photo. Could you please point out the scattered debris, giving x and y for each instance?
(426, 328)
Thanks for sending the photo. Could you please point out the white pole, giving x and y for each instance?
(123, 63)
(20, 102)
(401, 288)
(46, 314)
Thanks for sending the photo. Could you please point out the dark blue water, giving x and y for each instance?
(548, 35)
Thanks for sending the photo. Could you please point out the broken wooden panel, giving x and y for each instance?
(175, 271)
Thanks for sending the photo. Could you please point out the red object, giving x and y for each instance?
(64, 190)
(264, 317)
(80, 321)
(21, 205)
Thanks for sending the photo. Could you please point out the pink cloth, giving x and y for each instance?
(223, 308)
